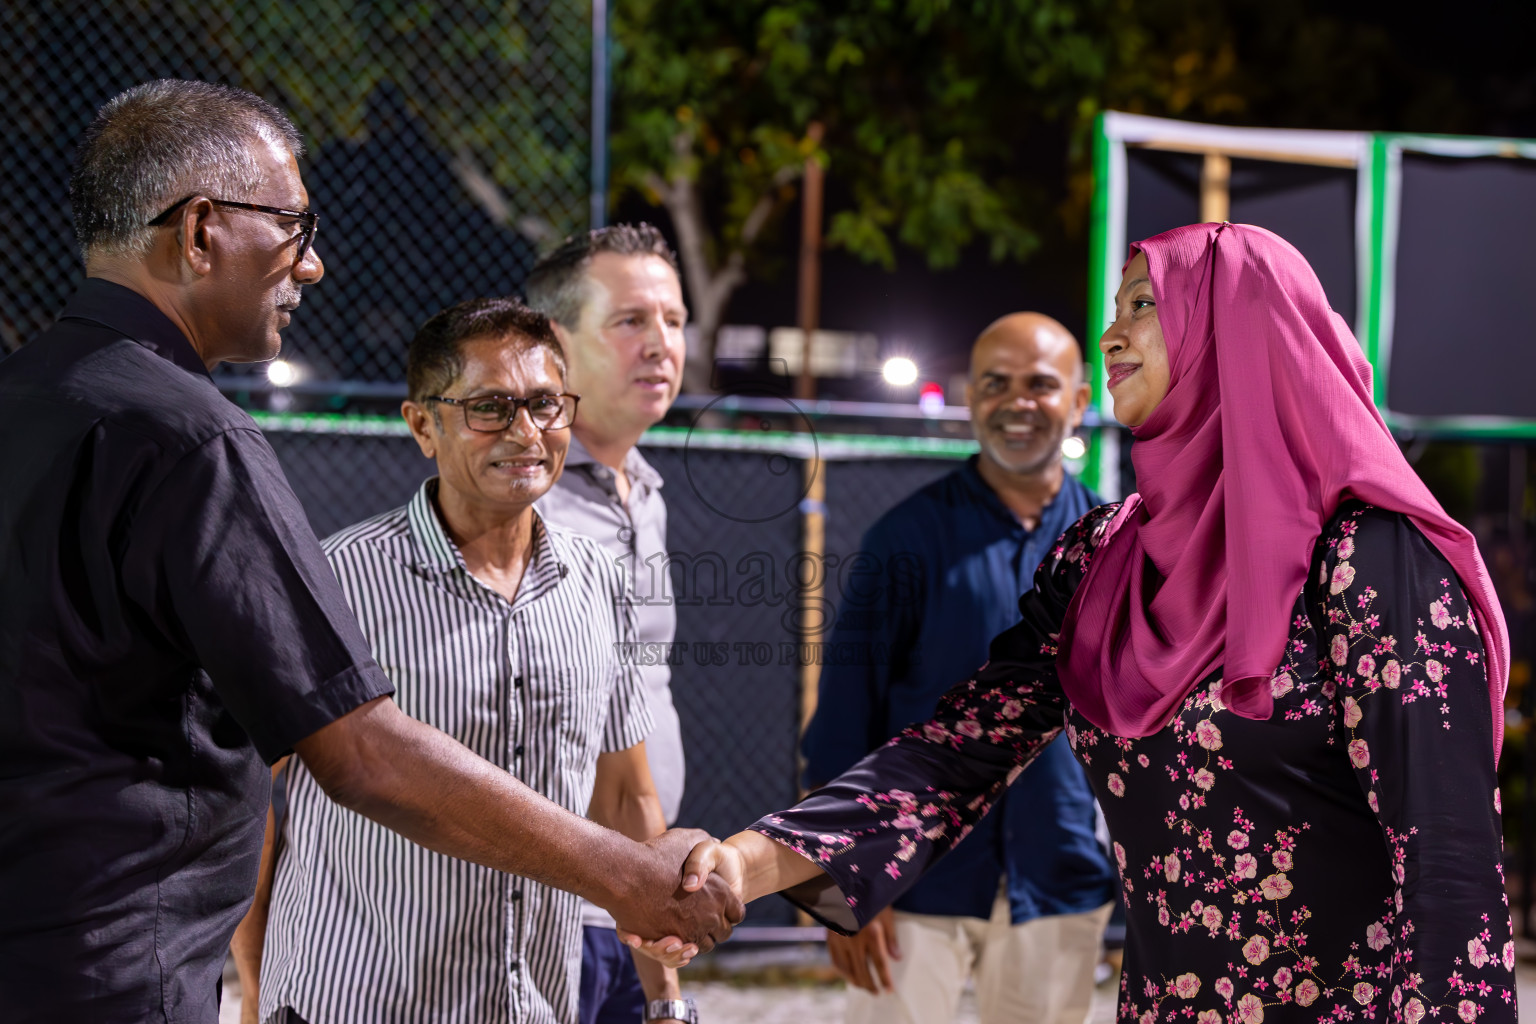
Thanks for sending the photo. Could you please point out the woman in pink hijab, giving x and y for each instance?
(1281, 663)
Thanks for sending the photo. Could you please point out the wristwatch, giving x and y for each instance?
(672, 1009)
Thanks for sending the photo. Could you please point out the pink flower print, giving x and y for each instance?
(1171, 867)
(1115, 783)
(1498, 801)
(1224, 988)
(1351, 711)
(1392, 674)
(1150, 1017)
(1120, 856)
(1338, 649)
(1477, 953)
(1307, 992)
(1343, 576)
(1276, 886)
(1377, 936)
(1375, 805)
(935, 733)
(1163, 916)
(893, 869)
(1509, 955)
(905, 849)
(1211, 918)
(907, 821)
(1359, 753)
(1283, 860)
(1364, 993)
(1366, 666)
(1439, 615)
(1246, 865)
(1207, 735)
(1434, 670)
(1250, 1009)
(1414, 1011)
(1281, 685)
(1283, 978)
(1346, 547)
(1256, 949)
(1237, 840)
(1186, 986)
(969, 729)
(1143, 760)
(1011, 708)
(1204, 779)
(1209, 1017)
(1467, 1010)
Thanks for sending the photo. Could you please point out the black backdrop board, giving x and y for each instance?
(1311, 207)
(1466, 268)
(1162, 193)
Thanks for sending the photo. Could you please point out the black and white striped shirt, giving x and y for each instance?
(365, 925)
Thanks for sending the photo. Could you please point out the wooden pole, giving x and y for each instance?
(810, 261)
(1215, 188)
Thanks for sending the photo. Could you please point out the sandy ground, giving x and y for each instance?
(788, 987)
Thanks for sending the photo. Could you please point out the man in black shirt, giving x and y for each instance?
(170, 620)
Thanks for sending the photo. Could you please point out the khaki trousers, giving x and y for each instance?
(1039, 972)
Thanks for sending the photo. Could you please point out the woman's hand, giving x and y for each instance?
(710, 857)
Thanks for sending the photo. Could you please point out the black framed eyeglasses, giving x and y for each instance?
(491, 414)
(309, 221)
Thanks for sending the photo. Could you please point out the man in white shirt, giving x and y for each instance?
(616, 303)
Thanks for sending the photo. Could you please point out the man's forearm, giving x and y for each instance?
(419, 782)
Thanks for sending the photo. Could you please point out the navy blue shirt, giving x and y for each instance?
(938, 577)
(170, 624)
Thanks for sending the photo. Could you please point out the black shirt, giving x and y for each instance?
(167, 623)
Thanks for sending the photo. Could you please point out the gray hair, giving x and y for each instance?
(160, 142)
(556, 285)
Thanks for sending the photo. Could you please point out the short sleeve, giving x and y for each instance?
(629, 708)
(222, 560)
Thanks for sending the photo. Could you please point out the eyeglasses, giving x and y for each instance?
(491, 414)
(309, 222)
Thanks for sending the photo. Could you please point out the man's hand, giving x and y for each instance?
(874, 946)
(661, 905)
(710, 862)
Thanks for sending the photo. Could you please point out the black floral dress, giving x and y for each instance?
(1340, 860)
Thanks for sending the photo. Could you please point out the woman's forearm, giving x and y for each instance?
(769, 867)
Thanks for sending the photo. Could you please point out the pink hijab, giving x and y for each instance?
(1267, 426)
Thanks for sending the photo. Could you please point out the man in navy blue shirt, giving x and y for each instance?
(1023, 901)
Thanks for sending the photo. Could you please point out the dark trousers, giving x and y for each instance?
(610, 988)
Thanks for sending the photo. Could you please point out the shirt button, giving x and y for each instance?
(515, 966)
(517, 894)
(518, 750)
(518, 681)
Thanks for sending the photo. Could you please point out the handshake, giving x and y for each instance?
(682, 895)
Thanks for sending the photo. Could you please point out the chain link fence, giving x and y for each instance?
(447, 142)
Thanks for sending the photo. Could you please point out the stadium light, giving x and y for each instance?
(282, 373)
(899, 372)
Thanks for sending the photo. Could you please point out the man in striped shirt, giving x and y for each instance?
(503, 632)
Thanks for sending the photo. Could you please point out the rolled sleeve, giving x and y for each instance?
(222, 559)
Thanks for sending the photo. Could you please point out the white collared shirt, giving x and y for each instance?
(365, 925)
